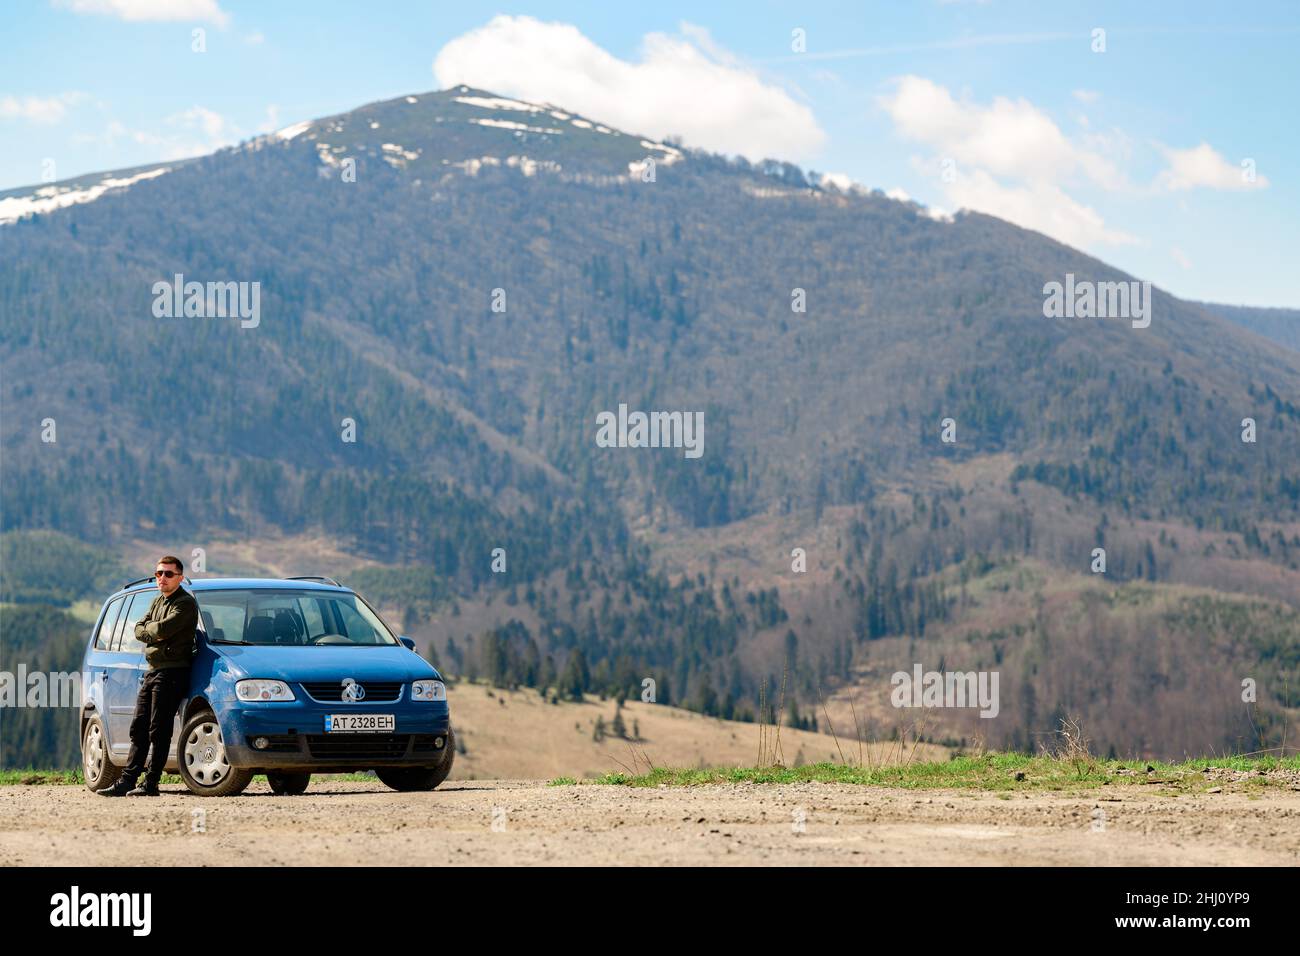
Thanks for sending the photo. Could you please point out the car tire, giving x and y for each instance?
(98, 770)
(288, 784)
(202, 760)
(420, 778)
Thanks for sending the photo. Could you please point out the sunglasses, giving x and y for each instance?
(167, 574)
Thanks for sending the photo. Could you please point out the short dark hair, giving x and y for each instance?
(172, 559)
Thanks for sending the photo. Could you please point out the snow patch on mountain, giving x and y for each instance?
(508, 124)
(472, 166)
(297, 129)
(530, 167)
(48, 198)
(398, 156)
(497, 103)
(671, 154)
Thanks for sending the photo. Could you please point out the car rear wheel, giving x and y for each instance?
(288, 784)
(420, 778)
(204, 764)
(100, 772)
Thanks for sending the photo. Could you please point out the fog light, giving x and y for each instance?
(260, 743)
(438, 743)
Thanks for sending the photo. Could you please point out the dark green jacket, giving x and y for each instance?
(167, 630)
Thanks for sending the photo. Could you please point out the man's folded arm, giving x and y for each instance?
(181, 618)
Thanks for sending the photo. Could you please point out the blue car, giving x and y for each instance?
(291, 677)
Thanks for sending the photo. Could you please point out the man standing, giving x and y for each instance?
(167, 631)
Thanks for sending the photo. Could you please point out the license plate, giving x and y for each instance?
(359, 723)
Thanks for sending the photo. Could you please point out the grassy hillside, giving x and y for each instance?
(518, 734)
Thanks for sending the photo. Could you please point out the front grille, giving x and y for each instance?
(331, 692)
(357, 746)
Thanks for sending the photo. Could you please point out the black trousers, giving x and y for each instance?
(161, 692)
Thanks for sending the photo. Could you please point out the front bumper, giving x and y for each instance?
(296, 738)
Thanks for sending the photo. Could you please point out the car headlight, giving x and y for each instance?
(428, 690)
(258, 689)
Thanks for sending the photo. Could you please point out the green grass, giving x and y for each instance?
(991, 772)
(32, 776)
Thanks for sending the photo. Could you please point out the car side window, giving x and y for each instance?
(227, 619)
(124, 634)
(116, 641)
(355, 626)
(104, 637)
(311, 615)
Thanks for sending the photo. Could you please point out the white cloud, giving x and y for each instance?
(841, 181)
(256, 38)
(1009, 159)
(684, 84)
(206, 11)
(1039, 205)
(1202, 166)
(196, 131)
(1010, 138)
(38, 109)
(1087, 96)
(211, 123)
(1180, 257)
(272, 121)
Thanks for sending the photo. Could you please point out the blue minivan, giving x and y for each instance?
(290, 677)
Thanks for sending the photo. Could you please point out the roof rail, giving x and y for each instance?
(314, 577)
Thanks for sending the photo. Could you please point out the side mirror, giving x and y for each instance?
(410, 644)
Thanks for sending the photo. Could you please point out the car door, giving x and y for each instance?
(96, 657)
(125, 666)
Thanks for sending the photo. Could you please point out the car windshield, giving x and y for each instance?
(290, 618)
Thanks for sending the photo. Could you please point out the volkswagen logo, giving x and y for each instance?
(352, 691)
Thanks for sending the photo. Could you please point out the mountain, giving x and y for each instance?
(1280, 325)
(471, 281)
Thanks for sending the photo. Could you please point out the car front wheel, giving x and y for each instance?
(204, 765)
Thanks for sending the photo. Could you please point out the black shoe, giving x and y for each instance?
(121, 788)
(147, 789)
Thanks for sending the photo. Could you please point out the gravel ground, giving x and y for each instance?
(508, 822)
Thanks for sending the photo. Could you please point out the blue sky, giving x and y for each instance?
(1134, 153)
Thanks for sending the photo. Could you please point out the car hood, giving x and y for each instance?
(296, 664)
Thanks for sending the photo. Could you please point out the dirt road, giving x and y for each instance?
(528, 822)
